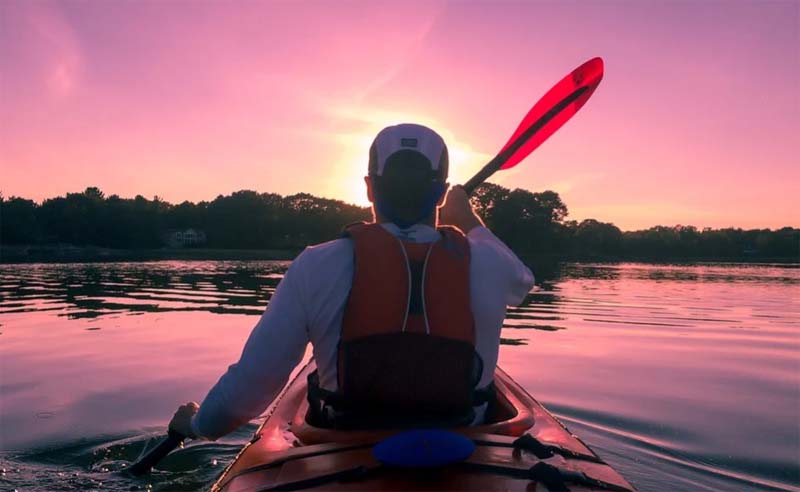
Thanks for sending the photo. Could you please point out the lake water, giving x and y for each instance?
(681, 377)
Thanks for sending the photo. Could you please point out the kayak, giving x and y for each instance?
(521, 447)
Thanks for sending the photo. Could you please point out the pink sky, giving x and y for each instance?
(696, 121)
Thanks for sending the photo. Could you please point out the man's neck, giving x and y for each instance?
(417, 233)
(430, 221)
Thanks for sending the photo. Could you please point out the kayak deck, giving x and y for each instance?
(287, 453)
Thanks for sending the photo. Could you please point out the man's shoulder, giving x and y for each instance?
(482, 241)
(336, 252)
(322, 266)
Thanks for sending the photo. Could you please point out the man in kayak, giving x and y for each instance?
(404, 319)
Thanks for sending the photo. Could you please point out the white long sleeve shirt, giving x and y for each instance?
(308, 306)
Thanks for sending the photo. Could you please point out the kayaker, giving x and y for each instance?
(404, 319)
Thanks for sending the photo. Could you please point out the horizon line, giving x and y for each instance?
(156, 197)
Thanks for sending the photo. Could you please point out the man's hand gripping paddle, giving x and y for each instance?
(547, 115)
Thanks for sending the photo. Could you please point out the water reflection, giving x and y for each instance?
(94, 290)
(684, 377)
(702, 272)
(88, 291)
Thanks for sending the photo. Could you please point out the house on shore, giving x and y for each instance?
(182, 238)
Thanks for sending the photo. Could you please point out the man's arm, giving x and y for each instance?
(274, 348)
(518, 277)
(458, 212)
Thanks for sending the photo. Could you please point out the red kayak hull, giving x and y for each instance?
(287, 453)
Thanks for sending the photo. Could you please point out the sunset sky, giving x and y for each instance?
(696, 121)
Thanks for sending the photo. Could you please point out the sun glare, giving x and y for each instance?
(347, 181)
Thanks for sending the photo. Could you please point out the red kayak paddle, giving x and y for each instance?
(547, 115)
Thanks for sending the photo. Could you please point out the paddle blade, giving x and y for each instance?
(143, 466)
(562, 102)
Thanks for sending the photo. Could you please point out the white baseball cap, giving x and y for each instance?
(409, 137)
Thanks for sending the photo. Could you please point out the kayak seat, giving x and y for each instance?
(328, 409)
(506, 415)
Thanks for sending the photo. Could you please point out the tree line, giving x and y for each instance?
(532, 224)
(242, 220)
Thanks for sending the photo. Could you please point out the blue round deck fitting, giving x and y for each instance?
(423, 449)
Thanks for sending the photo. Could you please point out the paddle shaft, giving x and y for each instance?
(143, 466)
(497, 162)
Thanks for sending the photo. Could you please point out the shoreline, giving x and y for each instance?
(93, 254)
(18, 254)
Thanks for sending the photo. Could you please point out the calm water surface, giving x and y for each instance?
(681, 377)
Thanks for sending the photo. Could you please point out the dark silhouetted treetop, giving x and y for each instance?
(532, 224)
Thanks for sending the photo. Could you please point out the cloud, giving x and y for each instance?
(55, 43)
(416, 40)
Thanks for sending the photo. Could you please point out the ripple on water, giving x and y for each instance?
(101, 463)
(684, 377)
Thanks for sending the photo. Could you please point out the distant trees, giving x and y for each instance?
(244, 219)
(91, 218)
(535, 224)
(532, 224)
(594, 238)
(529, 223)
(18, 221)
(247, 219)
(686, 242)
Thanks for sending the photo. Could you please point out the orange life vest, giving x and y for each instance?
(407, 350)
